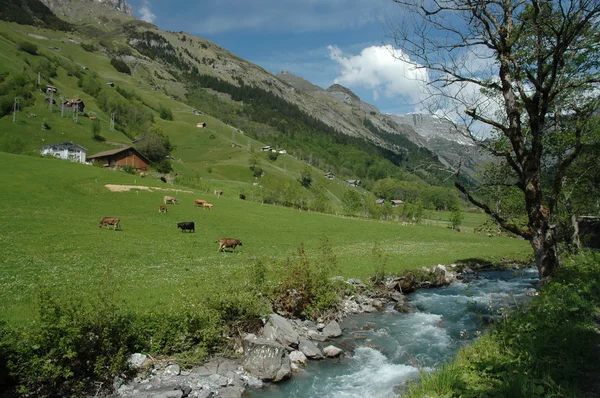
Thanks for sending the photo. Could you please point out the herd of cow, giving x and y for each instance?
(185, 225)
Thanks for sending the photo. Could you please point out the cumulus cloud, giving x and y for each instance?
(383, 69)
(145, 13)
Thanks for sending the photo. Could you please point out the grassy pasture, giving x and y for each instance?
(50, 238)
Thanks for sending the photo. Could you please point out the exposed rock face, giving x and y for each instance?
(298, 357)
(281, 330)
(63, 6)
(266, 360)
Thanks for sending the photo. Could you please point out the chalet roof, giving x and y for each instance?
(115, 151)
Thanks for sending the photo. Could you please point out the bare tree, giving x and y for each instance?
(526, 69)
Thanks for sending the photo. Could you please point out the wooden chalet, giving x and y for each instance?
(75, 104)
(121, 157)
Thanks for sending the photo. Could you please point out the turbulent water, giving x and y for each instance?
(385, 349)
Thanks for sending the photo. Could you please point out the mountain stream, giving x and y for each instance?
(385, 349)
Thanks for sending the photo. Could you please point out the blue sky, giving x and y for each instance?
(324, 41)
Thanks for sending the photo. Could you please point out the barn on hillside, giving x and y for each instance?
(75, 104)
(121, 157)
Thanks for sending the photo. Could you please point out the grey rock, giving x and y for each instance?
(163, 392)
(231, 392)
(309, 349)
(368, 308)
(137, 360)
(172, 370)
(332, 329)
(219, 380)
(281, 330)
(266, 359)
(332, 351)
(316, 336)
(397, 297)
(297, 357)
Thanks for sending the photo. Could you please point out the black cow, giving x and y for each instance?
(242, 196)
(163, 179)
(186, 225)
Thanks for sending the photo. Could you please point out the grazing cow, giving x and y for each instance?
(199, 202)
(170, 199)
(162, 209)
(163, 179)
(186, 226)
(242, 196)
(207, 206)
(218, 192)
(114, 221)
(228, 242)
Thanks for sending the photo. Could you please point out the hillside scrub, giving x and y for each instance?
(544, 349)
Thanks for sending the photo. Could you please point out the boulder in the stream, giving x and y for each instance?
(266, 360)
(309, 349)
(332, 351)
(332, 329)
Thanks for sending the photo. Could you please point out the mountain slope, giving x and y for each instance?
(330, 129)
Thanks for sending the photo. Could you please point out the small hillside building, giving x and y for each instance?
(380, 202)
(354, 183)
(51, 89)
(201, 125)
(266, 148)
(396, 202)
(329, 176)
(121, 157)
(65, 150)
(75, 104)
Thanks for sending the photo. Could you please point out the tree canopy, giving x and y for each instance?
(528, 72)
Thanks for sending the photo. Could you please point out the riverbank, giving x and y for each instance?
(285, 345)
(548, 348)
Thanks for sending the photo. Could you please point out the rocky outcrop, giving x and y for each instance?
(309, 349)
(266, 360)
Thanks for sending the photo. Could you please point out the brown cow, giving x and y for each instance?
(170, 199)
(207, 205)
(199, 202)
(228, 242)
(162, 209)
(114, 221)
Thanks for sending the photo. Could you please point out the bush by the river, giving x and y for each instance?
(543, 350)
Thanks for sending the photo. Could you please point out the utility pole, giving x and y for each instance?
(112, 121)
(62, 107)
(15, 109)
(51, 100)
(38, 79)
(249, 145)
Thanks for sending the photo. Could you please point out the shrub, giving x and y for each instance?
(165, 113)
(28, 47)
(306, 290)
(88, 47)
(120, 66)
(129, 169)
(273, 156)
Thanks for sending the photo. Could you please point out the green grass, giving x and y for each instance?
(50, 238)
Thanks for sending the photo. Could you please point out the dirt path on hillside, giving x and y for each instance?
(125, 188)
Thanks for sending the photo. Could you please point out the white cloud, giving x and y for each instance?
(145, 12)
(383, 69)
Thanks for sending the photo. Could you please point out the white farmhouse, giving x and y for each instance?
(66, 150)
